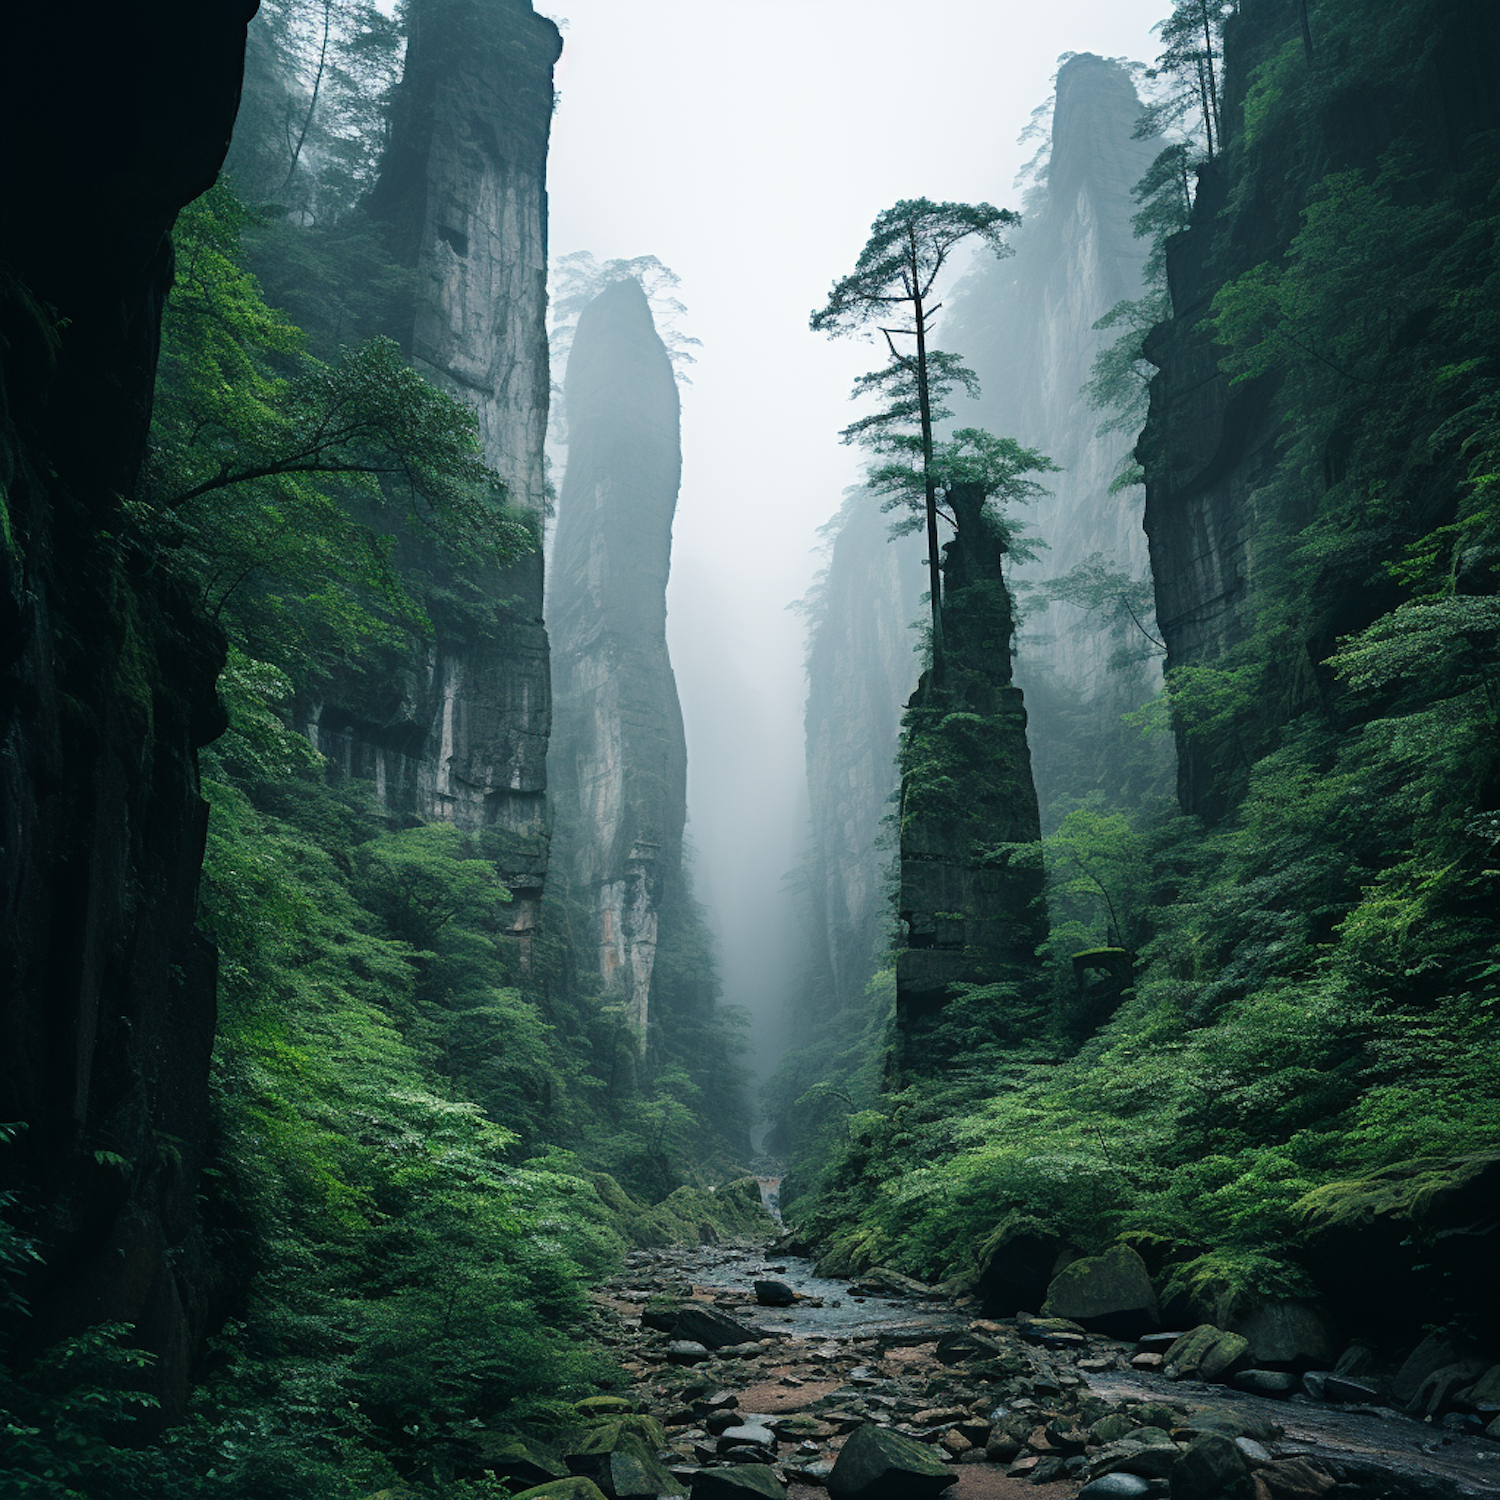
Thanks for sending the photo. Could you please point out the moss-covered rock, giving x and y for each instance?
(575, 1488)
(1111, 1293)
(1206, 1353)
(878, 1464)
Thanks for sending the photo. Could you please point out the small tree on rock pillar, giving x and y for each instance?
(892, 287)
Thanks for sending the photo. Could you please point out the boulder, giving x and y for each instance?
(1156, 1414)
(1292, 1479)
(737, 1482)
(1296, 1335)
(686, 1352)
(1212, 1469)
(1050, 1333)
(800, 1425)
(621, 1464)
(1266, 1382)
(878, 1464)
(1484, 1394)
(1111, 1429)
(1358, 1362)
(1350, 1392)
(1438, 1391)
(1109, 1293)
(711, 1328)
(1157, 1343)
(715, 1401)
(520, 1461)
(1431, 1354)
(1117, 1486)
(648, 1429)
(1206, 1353)
(774, 1294)
(1148, 1454)
(661, 1319)
(1424, 1225)
(576, 1488)
(955, 1348)
(747, 1435)
(881, 1281)
(592, 1408)
(1255, 1453)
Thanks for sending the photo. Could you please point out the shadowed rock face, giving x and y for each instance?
(1026, 325)
(620, 758)
(107, 672)
(1210, 449)
(461, 734)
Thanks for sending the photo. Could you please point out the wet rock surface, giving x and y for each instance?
(992, 1406)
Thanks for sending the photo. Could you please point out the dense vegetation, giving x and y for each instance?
(1285, 1005)
(1256, 1016)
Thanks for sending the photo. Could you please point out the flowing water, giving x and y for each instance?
(1382, 1451)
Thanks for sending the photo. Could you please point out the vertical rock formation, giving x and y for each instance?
(462, 735)
(1026, 325)
(620, 756)
(107, 672)
(860, 661)
(1210, 449)
(972, 901)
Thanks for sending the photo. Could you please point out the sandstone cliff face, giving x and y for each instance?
(619, 754)
(972, 899)
(107, 675)
(462, 735)
(860, 664)
(1026, 325)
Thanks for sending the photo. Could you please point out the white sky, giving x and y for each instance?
(748, 144)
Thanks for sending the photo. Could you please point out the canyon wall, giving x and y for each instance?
(619, 756)
(461, 734)
(1213, 451)
(1026, 327)
(107, 673)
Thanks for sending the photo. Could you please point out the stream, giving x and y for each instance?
(845, 1353)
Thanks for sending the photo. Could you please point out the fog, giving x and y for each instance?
(748, 144)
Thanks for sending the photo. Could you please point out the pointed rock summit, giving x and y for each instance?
(619, 753)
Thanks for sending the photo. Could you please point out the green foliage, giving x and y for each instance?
(271, 473)
(318, 79)
(908, 247)
(894, 279)
(59, 1423)
(998, 466)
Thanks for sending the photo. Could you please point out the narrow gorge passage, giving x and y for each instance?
(1003, 1403)
(727, 773)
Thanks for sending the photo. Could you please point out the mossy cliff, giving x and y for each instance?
(1346, 404)
(106, 992)
(971, 901)
(458, 732)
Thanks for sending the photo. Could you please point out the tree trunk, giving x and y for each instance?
(312, 103)
(934, 568)
(1213, 88)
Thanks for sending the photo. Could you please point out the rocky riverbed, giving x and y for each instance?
(751, 1375)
